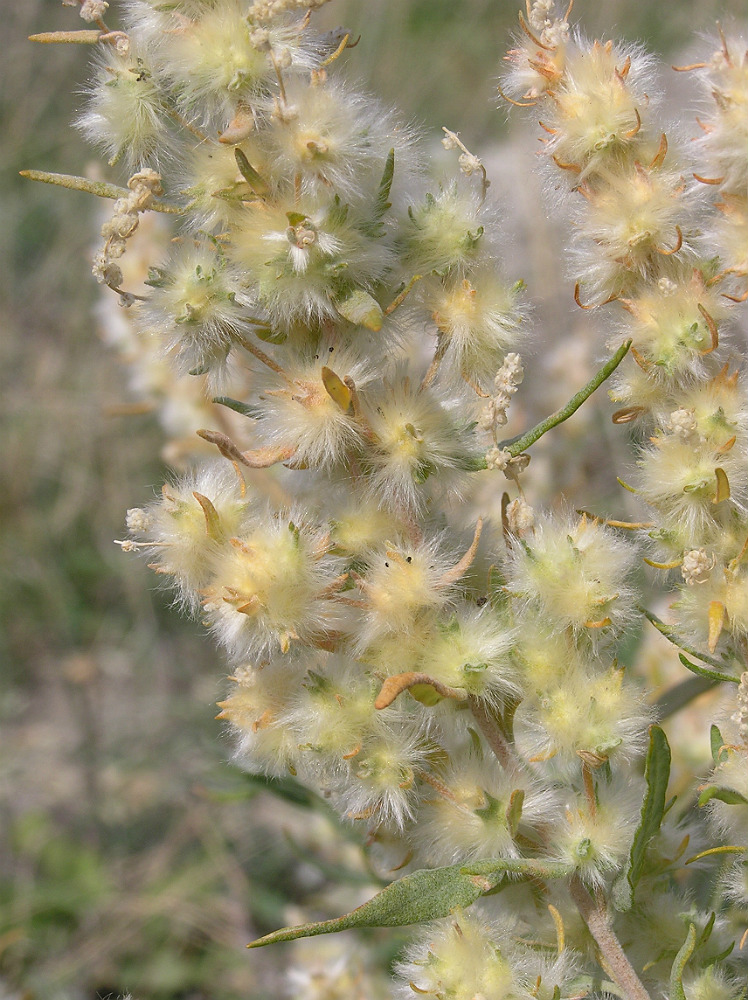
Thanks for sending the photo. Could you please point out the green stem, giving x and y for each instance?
(100, 188)
(516, 445)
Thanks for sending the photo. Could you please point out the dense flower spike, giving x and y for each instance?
(444, 663)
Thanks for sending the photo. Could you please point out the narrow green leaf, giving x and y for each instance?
(712, 675)
(681, 959)
(715, 959)
(246, 409)
(250, 175)
(427, 894)
(657, 774)
(728, 795)
(517, 445)
(719, 754)
(337, 214)
(381, 203)
(423, 895)
(470, 463)
(707, 931)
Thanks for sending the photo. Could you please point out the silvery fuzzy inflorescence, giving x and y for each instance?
(645, 237)
(457, 694)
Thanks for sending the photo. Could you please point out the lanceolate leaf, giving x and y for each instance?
(382, 203)
(424, 895)
(656, 773)
(717, 745)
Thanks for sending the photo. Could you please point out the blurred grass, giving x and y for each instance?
(131, 859)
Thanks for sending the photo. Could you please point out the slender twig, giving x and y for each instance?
(595, 914)
(86, 36)
(516, 445)
(100, 188)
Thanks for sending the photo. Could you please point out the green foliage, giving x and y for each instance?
(423, 895)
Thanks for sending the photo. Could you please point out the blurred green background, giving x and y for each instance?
(129, 859)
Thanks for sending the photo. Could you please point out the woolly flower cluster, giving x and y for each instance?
(456, 689)
(645, 239)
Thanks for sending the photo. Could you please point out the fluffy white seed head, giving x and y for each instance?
(731, 777)
(725, 135)
(125, 113)
(380, 785)
(628, 227)
(688, 482)
(592, 717)
(360, 526)
(713, 984)
(537, 63)
(269, 588)
(332, 138)
(574, 572)
(471, 651)
(417, 434)
(480, 317)
(214, 187)
(213, 60)
(543, 659)
(734, 883)
(303, 258)
(310, 408)
(596, 112)
(445, 232)
(402, 584)
(461, 958)
(255, 710)
(332, 715)
(473, 810)
(197, 309)
(674, 324)
(597, 841)
(189, 527)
